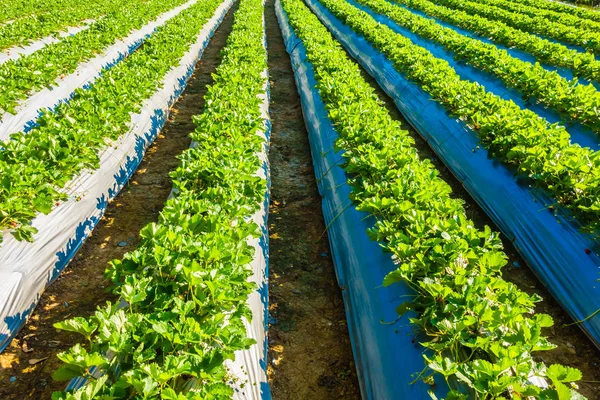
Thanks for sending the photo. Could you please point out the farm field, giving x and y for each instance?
(294, 199)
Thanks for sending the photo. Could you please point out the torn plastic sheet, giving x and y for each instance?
(29, 111)
(27, 268)
(551, 244)
(386, 355)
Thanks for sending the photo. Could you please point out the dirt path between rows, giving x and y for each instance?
(310, 356)
(82, 285)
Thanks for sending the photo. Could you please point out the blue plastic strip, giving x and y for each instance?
(580, 49)
(552, 245)
(386, 355)
(520, 54)
(263, 290)
(579, 133)
(264, 240)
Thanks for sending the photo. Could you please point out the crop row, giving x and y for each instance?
(520, 137)
(558, 17)
(186, 285)
(577, 101)
(24, 30)
(477, 323)
(539, 25)
(20, 77)
(589, 3)
(582, 64)
(12, 10)
(581, 12)
(35, 166)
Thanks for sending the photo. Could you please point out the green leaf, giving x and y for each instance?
(561, 373)
(79, 325)
(404, 308)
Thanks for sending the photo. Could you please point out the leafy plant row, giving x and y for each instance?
(35, 167)
(20, 77)
(582, 64)
(538, 25)
(581, 12)
(577, 101)
(15, 9)
(24, 30)
(531, 11)
(590, 3)
(520, 137)
(479, 327)
(186, 285)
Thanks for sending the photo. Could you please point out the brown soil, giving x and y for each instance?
(82, 285)
(573, 346)
(310, 356)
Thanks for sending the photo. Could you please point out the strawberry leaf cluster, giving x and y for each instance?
(589, 40)
(16, 9)
(573, 100)
(541, 151)
(546, 51)
(21, 77)
(580, 12)
(36, 166)
(186, 285)
(25, 29)
(532, 11)
(480, 329)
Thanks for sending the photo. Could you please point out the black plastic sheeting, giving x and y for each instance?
(552, 246)
(386, 355)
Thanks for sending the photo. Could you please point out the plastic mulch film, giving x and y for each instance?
(249, 369)
(517, 53)
(16, 52)
(250, 366)
(552, 245)
(27, 268)
(86, 73)
(580, 134)
(386, 355)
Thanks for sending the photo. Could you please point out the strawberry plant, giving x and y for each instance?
(39, 70)
(23, 30)
(538, 25)
(36, 166)
(16, 9)
(186, 285)
(481, 330)
(520, 137)
(581, 12)
(582, 64)
(571, 99)
(558, 17)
